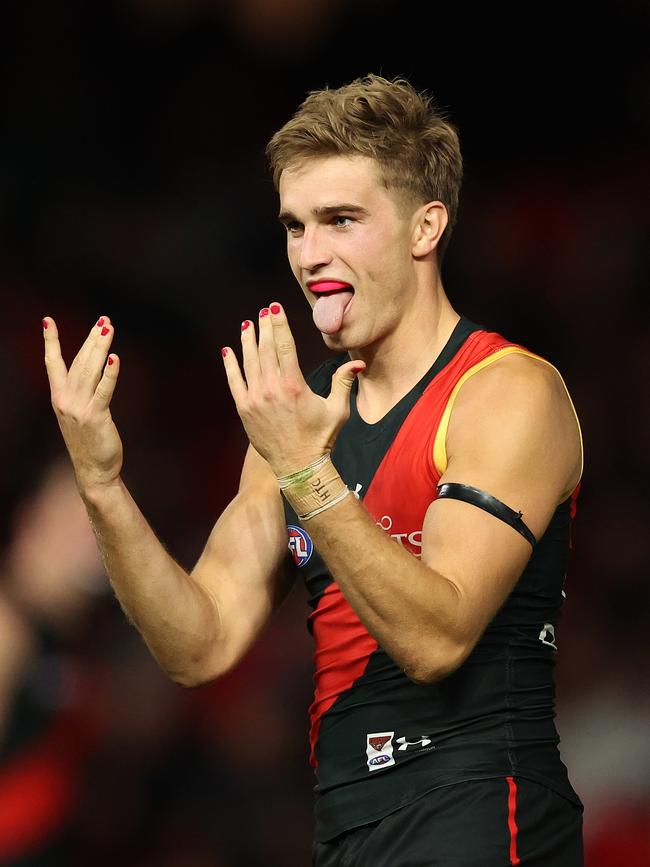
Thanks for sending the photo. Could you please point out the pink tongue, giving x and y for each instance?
(328, 311)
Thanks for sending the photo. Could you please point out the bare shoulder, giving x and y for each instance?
(517, 409)
(525, 377)
(516, 386)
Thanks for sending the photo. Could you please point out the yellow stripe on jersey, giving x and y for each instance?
(440, 443)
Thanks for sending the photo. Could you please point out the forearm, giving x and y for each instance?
(177, 617)
(412, 611)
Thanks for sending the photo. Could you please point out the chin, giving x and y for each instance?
(340, 343)
(335, 341)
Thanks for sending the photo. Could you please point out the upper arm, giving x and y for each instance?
(512, 433)
(245, 565)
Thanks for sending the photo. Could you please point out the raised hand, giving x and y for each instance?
(81, 400)
(286, 422)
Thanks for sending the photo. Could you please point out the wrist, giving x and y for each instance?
(314, 488)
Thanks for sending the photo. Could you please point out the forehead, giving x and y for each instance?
(318, 181)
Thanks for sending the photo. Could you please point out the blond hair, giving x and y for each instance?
(416, 148)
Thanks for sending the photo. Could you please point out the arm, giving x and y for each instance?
(199, 625)
(196, 625)
(512, 433)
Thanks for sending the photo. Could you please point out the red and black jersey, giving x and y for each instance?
(378, 740)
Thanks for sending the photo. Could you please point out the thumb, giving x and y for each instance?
(342, 383)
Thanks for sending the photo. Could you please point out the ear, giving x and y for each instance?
(431, 222)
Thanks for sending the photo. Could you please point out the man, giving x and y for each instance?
(432, 724)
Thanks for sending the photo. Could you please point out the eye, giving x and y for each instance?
(294, 227)
(342, 222)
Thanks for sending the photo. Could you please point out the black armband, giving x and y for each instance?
(489, 504)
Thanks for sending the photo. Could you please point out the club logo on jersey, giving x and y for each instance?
(300, 545)
(404, 744)
(379, 750)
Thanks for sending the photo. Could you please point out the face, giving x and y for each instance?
(343, 225)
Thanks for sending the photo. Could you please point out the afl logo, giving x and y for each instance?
(379, 760)
(300, 544)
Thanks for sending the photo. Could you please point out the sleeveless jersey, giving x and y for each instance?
(379, 740)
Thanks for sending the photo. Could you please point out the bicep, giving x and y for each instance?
(246, 563)
(513, 436)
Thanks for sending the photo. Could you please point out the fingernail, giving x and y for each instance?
(224, 352)
(358, 369)
(110, 360)
(264, 311)
(105, 331)
(275, 308)
(245, 324)
(100, 322)
(45, 323)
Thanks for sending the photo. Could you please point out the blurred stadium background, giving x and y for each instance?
(133, 183)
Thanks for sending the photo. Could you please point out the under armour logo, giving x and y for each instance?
(404, 744)
(547, 635)
(357, 490)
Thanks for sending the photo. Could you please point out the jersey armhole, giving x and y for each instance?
(440, 442)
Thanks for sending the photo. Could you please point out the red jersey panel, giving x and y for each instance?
(378, 740)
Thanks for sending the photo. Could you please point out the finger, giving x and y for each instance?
(285, 346)
(54, 363)
(234, 376)
(342, 382)
(87, 345)
(87, 368)
(250, 355)
(106, 386)
(266, 346)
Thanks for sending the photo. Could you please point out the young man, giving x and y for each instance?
(435, 588)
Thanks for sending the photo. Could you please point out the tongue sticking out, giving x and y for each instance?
(329, 308)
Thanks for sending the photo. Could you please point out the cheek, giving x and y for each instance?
(293, 255)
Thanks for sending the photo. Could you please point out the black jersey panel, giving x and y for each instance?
(380, 740)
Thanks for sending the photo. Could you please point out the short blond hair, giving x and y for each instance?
(415, 146)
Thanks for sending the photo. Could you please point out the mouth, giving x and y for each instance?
(333, 301)
(329, 287)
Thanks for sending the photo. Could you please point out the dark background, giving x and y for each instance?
(133, 183)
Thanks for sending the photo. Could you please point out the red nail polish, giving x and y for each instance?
(100, 322)
(110, 360)
(105, 331)
(224, 352)
(245, 324)
(275, 308)
(358, 369)
(264, 311)
(45, 323)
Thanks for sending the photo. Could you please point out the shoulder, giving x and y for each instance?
(517, 409)
(517, 383)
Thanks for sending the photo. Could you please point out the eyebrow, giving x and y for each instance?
(326, 210)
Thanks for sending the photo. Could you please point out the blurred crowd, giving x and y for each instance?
(132, 183)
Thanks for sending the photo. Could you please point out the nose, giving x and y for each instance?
(313, 249)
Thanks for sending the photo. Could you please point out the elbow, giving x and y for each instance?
(427, 668)
(190, 680)
(195, 674)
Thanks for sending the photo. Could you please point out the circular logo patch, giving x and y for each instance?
(300, 544)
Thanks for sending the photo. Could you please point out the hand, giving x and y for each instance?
(286, 422)
(81, 399)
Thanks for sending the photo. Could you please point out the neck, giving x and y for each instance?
(398, 362)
